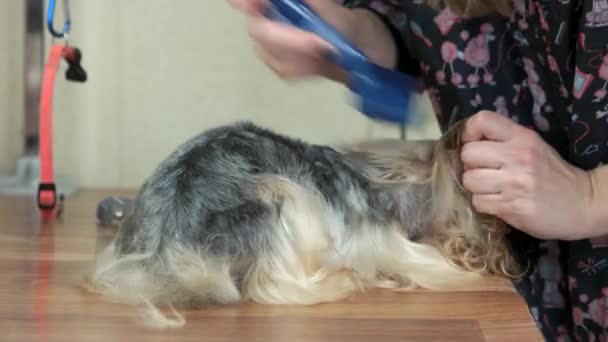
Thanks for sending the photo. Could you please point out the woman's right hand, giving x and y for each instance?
(293, 53)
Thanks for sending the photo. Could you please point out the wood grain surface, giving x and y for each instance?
(41, 298)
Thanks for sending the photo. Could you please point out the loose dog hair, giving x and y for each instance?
(241, 213)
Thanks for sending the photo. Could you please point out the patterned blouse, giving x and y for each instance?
(546, 67)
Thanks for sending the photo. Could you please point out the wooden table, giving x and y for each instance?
(41, 298)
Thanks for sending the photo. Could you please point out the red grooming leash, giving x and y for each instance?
(47, 190)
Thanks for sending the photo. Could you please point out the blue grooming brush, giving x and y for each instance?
(382, 94)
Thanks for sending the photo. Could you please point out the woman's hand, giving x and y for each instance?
(293, 53)
(514, 175)
(289, 52)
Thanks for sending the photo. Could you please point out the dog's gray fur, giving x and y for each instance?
(205, 192)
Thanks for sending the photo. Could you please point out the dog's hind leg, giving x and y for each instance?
(298, 264)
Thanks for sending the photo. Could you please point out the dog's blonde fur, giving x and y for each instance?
(311, 256)
(473, 241)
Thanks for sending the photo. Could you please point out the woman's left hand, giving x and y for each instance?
(514, 175)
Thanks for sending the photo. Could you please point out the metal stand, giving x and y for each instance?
(25, 180)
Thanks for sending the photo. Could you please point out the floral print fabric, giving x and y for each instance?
(546, 67)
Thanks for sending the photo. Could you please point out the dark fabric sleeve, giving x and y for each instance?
(589, 128)
(392, 15)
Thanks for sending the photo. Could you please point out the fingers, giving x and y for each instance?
(268, 33)
(490, 204)
(270, 61)
(333, 72)
(483, 181)
(288, 51)
(283, 69)
(489, 126)
(249, 7)
(482, 154)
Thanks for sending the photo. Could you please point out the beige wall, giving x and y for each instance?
(161, 71)
(11, 84)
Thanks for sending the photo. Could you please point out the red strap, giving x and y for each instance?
(47, 195)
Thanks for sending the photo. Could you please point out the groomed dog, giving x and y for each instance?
(240, 213)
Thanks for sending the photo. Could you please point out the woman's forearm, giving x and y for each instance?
(368, 33)
(372, 36)
(598, 212)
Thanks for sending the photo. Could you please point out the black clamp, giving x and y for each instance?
(75, 71)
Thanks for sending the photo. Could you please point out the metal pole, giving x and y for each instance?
(34, 62)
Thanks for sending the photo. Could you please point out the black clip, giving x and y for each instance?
(75, 71)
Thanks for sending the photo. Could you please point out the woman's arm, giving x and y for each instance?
(383, 34)
(374, 37)
(293, 53)
(598, 211)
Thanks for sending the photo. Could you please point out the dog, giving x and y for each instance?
(242, 213)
